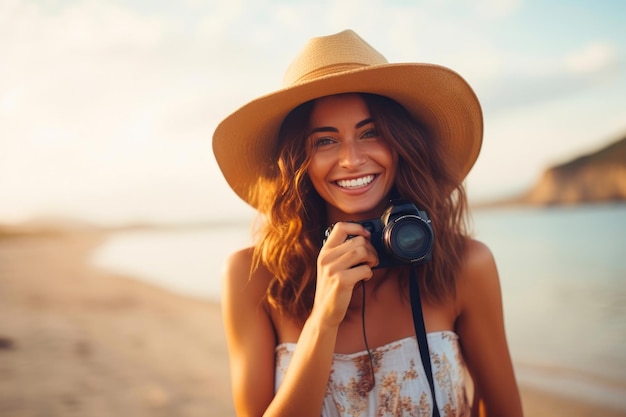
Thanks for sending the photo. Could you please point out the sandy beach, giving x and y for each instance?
(79, 341)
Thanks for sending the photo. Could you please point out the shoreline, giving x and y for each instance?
(73, 337)
(570, 383)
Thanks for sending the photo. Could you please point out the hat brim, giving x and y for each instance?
(438, 97)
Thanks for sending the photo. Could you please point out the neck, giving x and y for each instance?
(382, 278)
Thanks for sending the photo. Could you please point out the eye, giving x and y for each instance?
(323, 141)
(370, 133)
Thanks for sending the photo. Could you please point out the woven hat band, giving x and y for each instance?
(328, 70)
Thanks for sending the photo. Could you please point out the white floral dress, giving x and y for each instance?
(400, 386)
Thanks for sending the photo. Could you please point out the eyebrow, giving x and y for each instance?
(334, 129)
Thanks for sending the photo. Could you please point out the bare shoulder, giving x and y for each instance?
(478, 277)
(238, 263)
(243, 298)
(478, 256)
(241, 279)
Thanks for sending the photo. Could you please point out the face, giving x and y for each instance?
(351, 166)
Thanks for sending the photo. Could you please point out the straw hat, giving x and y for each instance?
(439, 98)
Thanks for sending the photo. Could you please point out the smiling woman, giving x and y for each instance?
(327, 327)
(351, 166)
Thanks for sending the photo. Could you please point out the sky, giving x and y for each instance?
(107, 108)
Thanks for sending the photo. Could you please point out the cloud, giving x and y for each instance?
(593, 57)
(538, 79)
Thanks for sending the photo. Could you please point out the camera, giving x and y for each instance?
(402, 235)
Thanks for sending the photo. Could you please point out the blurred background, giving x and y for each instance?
(107, 107)
(107, 110)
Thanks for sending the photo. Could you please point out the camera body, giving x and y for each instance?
(402, 235)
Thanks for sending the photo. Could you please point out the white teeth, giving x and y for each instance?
(356, 183)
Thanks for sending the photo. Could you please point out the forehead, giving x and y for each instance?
(339, 107)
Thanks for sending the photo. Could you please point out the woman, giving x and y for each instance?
(314, 325)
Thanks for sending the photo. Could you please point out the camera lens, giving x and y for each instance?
(407, 239)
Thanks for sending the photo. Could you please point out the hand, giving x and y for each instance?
(346, 258)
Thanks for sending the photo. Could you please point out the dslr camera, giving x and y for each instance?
(402, 235)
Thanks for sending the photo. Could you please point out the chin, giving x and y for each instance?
(360, 211)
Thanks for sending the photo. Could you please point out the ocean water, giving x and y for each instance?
(185, 260)
(563, 278)
(562, 272)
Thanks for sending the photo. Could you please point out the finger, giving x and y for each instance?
(352, 276)
(361, 273)
(371, 258)
(356, 251)
(353, 251)
(341, 231)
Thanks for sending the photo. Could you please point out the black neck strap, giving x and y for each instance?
(420, 332)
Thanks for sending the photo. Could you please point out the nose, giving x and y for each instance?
(352, 155)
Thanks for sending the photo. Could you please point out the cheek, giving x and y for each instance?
(389, 158)
(316, 172)
(391, 166)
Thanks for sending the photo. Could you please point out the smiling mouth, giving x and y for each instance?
(356, 182)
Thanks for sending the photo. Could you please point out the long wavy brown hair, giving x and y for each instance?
(293, 215)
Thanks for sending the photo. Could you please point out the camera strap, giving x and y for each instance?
(420, 333)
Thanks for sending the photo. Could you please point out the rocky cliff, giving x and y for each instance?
(596, 177)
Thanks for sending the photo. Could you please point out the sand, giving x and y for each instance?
(79, 341)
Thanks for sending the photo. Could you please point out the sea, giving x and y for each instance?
(562, 273)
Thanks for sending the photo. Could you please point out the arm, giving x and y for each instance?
(480, 325)
(249, 335)
(251, 338)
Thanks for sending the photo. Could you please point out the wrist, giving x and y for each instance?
(320, 328)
